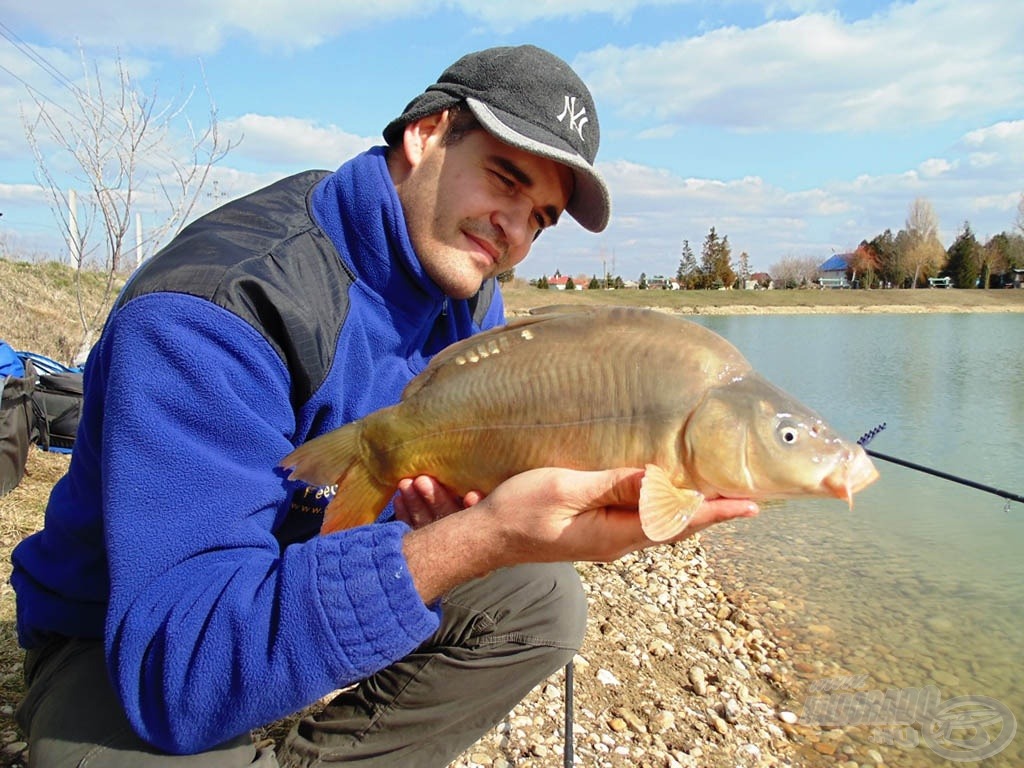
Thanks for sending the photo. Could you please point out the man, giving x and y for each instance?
(179, 594)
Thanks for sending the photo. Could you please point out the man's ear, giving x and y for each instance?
(418, 134)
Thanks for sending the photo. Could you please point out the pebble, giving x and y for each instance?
(825, 747)
(698, 679)
(617, 724)
(731, 711)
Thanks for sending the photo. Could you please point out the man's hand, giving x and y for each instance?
(559, 514)
(543, 515)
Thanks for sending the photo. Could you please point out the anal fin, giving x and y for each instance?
(358, 500)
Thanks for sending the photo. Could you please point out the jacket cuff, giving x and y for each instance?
(369, 596)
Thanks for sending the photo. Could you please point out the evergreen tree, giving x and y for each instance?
(569, 284)
(643, 281)
(744, 269)
(963, 259)
(543, 283)
(594, 284)
(715, 262)
(688, 270)
(884, 248)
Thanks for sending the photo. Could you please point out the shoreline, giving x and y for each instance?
(839, 309)
(521, 300)
(842, 309)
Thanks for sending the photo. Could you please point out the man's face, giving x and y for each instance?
(473, 208)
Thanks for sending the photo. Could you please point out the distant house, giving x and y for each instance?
(832, 274)
(665, 283)
(759, 280)
(559, 283)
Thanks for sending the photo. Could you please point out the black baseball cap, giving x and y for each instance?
(532, 100)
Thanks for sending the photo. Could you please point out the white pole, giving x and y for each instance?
(138, 239)
(75, 252)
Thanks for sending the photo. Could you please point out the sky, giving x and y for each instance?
(796, 128)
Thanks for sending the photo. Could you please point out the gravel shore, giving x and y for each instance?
(671, 673)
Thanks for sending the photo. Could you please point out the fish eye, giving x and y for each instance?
(788, 434)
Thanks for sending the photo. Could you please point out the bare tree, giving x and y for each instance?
(924, 252)
(123, 150)
(1020, 214)
(794, 271)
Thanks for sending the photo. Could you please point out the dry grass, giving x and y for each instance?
(50, 308)
(21, 513)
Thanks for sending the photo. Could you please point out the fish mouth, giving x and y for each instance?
(855, 473)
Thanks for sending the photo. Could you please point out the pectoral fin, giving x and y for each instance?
(665, 509)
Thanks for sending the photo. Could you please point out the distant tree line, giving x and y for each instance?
(908, 258)
(905, 259)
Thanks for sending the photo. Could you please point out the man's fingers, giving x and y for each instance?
(422, 500)
(720, 511)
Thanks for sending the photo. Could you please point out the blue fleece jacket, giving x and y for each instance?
(174, 534)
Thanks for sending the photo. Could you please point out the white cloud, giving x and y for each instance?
(654, 209)
(22, 194)
(200, 27)
(913, 64)
(1006, 137)
(197, 26)
(293, 141)
(936, 166)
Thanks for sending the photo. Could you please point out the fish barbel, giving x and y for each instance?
(590, 388)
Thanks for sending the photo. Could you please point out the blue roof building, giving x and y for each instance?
(839, 263)
(832, 274)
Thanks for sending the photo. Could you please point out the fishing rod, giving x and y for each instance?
(869, 436)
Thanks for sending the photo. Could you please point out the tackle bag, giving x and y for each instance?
(58, 405)
(17, 422)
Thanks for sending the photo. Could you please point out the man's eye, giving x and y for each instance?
(505, 180)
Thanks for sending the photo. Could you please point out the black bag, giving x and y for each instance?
(17, 426)
(58, 404)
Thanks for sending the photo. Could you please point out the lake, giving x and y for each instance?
(922, 584)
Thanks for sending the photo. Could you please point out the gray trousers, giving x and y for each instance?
(499, 637)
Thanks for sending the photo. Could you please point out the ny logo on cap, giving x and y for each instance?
(576, 119)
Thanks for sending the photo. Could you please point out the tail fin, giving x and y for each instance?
(335, 458)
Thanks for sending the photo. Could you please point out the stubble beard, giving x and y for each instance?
(452, 266)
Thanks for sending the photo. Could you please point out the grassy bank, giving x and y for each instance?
(50, 308)
(521, 297)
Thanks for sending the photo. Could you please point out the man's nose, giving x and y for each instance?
(514, 220)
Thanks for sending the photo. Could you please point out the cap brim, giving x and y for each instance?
(590, 203)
